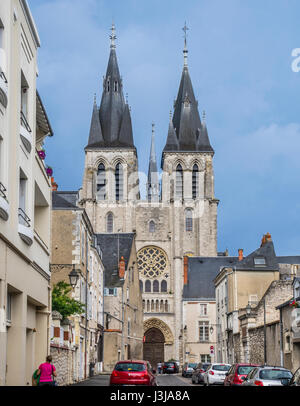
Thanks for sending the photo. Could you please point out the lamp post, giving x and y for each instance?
(73, 276)
(248, 309)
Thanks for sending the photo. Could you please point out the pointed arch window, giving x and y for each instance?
(189, 220)
(108, 85)
(148, 286)
(119, 182)
(179, 182)
(101, 182)
(115, 86)
(109, 223)
(151, 227)
(195, 182)
(164, 286)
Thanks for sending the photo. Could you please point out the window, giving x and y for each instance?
(141, 286)
(203, 331)
(162, 308)
(24, 97)
(109, 223)
(119, 182)
(23, 219)
(128, 327)
(157, 306)
(195, 182)
(189, 220)
(110, 291)
(179, 182)
(101, 182)
(108, 86)
(8, 307)
(82, 244)
(166, 306)
(155, 286)
(116, 86)
(148, 286)
(203, 309)
(260, 261)
(151, 227)
(164, 286)
(205, 358)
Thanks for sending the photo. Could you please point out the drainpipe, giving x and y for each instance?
(281, 339)
(86, 302)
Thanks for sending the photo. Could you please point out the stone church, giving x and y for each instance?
(178, 218)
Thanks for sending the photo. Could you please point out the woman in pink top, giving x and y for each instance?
(46, 370)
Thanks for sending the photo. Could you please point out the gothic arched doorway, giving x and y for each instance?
(154, 351)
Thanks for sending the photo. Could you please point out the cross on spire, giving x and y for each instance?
(113, 36)
(185, 51)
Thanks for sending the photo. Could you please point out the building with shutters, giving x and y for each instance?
(74, 244)
(25, 201)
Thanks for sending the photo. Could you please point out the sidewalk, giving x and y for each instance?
(101, 379)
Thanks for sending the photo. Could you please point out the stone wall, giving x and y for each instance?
(256, 344)
(62, 360)
(237, 347)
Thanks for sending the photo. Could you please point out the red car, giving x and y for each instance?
(236, 372)
(129, 373)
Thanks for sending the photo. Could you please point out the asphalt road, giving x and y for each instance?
(162, 380)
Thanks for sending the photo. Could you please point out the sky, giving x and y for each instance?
(240, 62)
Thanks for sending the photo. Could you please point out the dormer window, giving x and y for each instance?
(260, 261)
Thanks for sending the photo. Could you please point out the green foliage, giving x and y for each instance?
(62, 303)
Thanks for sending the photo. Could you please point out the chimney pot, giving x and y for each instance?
(241, 254)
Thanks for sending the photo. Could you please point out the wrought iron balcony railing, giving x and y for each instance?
(24, 122)
(2, 190)
(23, 218)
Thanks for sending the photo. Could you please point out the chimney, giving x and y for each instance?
(122, 268)
(241, 254)
(266, 237)
(54, 185)
(185, 270)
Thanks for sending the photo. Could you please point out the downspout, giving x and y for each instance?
(281, 339)
(86, 302)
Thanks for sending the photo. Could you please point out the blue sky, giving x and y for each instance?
(240, 64)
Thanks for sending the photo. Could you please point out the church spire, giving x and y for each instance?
(95, 137)
(153, 182)
(186, 120)
(114, 113)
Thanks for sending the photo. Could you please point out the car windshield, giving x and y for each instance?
(244, 370)
(192, 365)
(168, 364)
(274, 374)
(221, 367)
(205, 366)
(130, 366)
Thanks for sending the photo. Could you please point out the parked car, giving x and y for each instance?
(295, 381)
(237, 372)
(170, 367)
(197, 375)
(268, 376)
(133, 373)
(215, 374)
(188, 368)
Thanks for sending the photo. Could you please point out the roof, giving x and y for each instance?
(289, 260)
(201, 274)
(191, 134)
(267, 252)
(42, 118)
(110, 244)
(111, 125)
(64, 200)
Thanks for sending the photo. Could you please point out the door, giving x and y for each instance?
(154, 347)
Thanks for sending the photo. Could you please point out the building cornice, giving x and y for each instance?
(30, 22)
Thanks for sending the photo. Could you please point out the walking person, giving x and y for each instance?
(159, 367)
(46, 371)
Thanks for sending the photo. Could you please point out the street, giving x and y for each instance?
(162, 380)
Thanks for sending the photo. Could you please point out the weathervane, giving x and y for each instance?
(113, 36)
(185, 51)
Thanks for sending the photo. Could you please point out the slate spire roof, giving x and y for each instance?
(115, 128)
(153, 182)
(95, 130)
(190, 132)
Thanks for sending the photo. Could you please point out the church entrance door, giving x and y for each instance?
(154, 347)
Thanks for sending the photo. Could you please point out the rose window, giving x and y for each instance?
(152, 262)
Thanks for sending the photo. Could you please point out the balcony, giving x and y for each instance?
(3, 89)
(25, 133)
(4, 205)
(24, 228)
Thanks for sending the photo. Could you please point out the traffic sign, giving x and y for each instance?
(212, 347)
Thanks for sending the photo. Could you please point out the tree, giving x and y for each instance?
(62, 303)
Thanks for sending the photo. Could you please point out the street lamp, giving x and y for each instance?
(73, 276)
(248, 309)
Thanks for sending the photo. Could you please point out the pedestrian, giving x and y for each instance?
(159, 367)
(46, 371)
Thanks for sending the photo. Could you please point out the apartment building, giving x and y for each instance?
(25, 200)
(75, 246)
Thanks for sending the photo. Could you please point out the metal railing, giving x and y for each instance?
(2, 190)
(2, 75)
(25, 220)
(24, 122)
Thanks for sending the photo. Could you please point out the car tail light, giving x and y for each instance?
(114, 374)
(201, 370)
(211, 372)
(258, 383)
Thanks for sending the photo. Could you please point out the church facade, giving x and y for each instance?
(178, 218)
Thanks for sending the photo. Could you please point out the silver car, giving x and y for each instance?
(268, 376)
